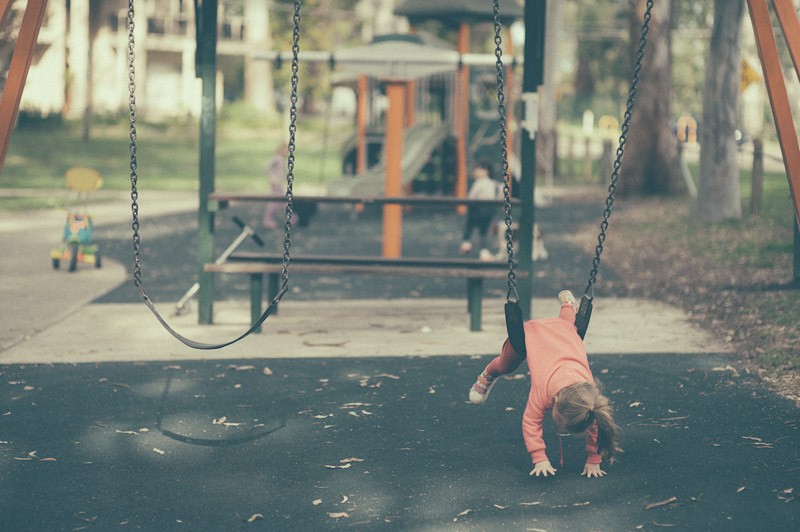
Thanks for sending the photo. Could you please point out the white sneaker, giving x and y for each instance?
(486, 255)
(565, 296)
(481, 389)
(466, 247)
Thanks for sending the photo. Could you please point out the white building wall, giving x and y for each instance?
(44, 88)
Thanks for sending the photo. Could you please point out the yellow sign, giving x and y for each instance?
(749, 76)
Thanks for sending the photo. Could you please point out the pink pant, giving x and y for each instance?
(509, 360)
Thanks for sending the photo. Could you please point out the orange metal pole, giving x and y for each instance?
(778, 97)
(393, 214)
(462, 119)
(411, 104)
(361, 124)
(18, 70)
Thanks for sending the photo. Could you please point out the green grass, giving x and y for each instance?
(168, 156)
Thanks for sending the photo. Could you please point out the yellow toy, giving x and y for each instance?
(77, 245)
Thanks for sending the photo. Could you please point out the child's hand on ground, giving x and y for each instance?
(543, 468)
(593, 470)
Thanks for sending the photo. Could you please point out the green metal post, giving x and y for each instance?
(206, 66)
(474, 302)
(256, 295)
(532, 78)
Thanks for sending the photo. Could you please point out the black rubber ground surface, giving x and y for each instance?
(383, 444)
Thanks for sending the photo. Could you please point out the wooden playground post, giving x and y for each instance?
(773, 76)
(393, 146)
(18, 69)
(411, 103)
(462, 118)
(757, 184)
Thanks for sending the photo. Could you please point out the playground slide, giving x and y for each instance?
(418, 144)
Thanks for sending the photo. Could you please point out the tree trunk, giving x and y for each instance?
(718, 180)
(651, 154)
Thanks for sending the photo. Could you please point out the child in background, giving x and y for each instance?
(480, 216)
(276, 173)
(562, 381)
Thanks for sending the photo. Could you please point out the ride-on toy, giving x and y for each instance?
(77, 245)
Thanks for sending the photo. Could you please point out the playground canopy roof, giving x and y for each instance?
(454, 12)
(397, 57)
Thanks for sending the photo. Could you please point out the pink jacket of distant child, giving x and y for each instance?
(556, 359)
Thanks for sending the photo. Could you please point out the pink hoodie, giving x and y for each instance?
(556, 359)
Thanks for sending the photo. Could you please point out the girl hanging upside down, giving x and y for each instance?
(562, 381)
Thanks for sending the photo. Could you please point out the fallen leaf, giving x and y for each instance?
(316, 502)
(157, 450)
(338, 466)
(462, 514)
(267, 371)
(581, 503)
(324, 344)
(241, 368)
(254, 517)
(47, 460)
(353, 414)
(28, 388)
(337, 515)
(219, 421)
(322, 416)
(530, 503)
(740, 489)
(345, 498)
(637, 403)
(127, 432)
(348, 460)
(500, 507)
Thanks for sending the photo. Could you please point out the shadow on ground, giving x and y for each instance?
(383, 444)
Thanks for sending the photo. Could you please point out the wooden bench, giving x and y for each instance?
(257, 265)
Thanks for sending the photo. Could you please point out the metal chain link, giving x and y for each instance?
(287, 240)
(501, 109)
(137, 267)
(612, 188)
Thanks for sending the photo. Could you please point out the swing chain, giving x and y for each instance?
(287, 241)
(501, 108)
(612, 188)
(137, 267)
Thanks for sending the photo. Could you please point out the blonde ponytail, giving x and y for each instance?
(581, 404)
